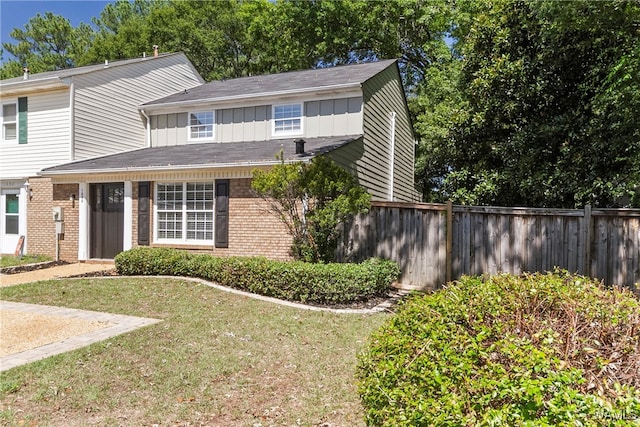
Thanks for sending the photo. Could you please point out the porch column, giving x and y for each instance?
(83, 222)
(128, 216)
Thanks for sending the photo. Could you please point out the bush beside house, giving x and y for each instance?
(537, 349)
(294, 281)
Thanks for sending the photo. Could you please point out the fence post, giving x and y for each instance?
(449, 267)
(587, 240)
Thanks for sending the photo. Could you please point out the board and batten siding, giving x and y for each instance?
(330, 117)
(48, 136)
(383, 94)
(107, 118)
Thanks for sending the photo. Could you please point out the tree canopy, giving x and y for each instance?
(513, 102)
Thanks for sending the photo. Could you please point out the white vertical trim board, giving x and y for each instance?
(128, 216)
(83, 222)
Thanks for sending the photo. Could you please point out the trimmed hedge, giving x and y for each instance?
(293, 281)
(539, 349)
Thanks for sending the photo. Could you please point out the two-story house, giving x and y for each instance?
(191, 188)
(61, 116)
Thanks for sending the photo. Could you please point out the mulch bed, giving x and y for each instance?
(30, 267)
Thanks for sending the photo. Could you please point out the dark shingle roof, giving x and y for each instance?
(192, 156)
(321, 78)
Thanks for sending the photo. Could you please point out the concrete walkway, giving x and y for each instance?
(118, 324)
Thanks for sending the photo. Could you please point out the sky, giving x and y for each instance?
(15, 14)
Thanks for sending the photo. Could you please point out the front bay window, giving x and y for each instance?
(184, 212)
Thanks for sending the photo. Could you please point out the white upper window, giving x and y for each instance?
(287, 119)
(9, 125)
(201, 124)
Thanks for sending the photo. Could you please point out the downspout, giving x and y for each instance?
(72, 124)
(148, 127)
(392, 142)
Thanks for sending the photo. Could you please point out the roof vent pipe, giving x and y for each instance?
(155, 50)
(25, 76)
(299, 146)
(106, 62)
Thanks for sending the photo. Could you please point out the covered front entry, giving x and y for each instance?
(107, 219)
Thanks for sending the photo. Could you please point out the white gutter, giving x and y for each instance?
(72, 122)
(392, 141)
(148, 127)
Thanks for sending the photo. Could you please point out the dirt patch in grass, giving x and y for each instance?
(218, 359)
(23, 331)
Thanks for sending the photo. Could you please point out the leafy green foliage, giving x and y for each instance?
(293, 281)
(545, 90)
(311, 200)
(48, 42)
(543, 349)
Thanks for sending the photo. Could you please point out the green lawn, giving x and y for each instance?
(11, 261)
(217, 359)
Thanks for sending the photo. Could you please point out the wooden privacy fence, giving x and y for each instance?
(436, 243)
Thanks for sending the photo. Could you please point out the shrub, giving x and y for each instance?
(539, 349)
(294, 281)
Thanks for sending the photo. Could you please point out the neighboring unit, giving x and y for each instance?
(191, 188)
(67, 115)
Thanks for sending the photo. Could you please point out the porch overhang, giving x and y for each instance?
(237, 159)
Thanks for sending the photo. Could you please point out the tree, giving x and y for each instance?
(311, 200)
(48, 42)
(547, 98)
(122, 31)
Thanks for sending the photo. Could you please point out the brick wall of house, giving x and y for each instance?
(41, 229)
(253, 230)
(69, 240)
(40, 226)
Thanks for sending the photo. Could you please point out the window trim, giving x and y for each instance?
(184, 211)
(7, 214)
(287, 133)
(190, 138)
(15, 121)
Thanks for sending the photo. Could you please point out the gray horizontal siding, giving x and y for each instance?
(383, 94)
(106, 104)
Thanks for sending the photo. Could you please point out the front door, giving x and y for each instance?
(107, 219)
(9, 221)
